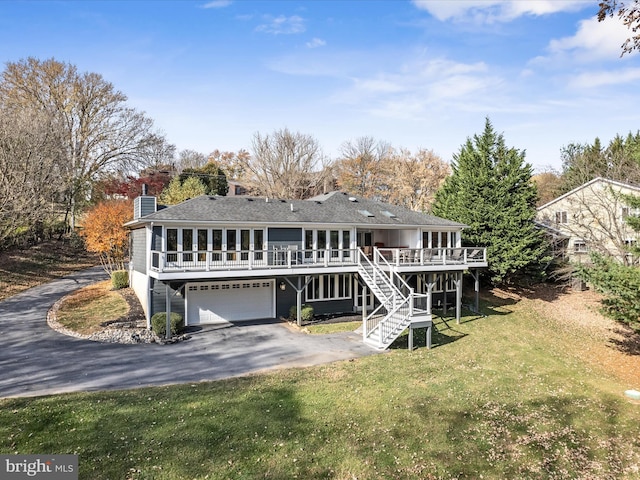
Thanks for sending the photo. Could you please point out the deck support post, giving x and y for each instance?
(167, 334)
(458, 282)
(444, 293)
(299, 288)
(364, 311)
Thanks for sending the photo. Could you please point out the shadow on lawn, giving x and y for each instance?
(629, 342)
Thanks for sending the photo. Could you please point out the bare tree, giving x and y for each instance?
(30, 155)
(284, 164)
(629, 13)
(412, 180)
(359, 169)
(158, 153)
(101, 134)
(190, 159)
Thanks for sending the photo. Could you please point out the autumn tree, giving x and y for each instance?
(490, 190)
(100, 133)
(284, 164)
(629, 14)
(233, 163)
(105, 234)
(549, 186)
(411, 179)
(359, 170)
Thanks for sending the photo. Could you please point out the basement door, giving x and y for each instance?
(219, 302)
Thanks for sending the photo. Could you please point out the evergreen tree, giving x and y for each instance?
(491, 191)
(210, 175)
(177, 192)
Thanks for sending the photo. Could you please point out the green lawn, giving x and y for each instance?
(501, 397)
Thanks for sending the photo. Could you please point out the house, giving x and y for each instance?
(218, 259)
(591, 218)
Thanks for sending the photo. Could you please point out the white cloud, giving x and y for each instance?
(421, 88)
(316, 42)
(605, 78)
(593, 40)
(490, 11)
(217, 4)
(282, 25)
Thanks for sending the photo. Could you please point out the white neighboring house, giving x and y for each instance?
(591, 218)
(221, 259)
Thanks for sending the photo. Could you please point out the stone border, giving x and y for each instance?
(107, 335)
(132, 336)
(52, 321)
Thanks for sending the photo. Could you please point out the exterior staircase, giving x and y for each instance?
(396, 310)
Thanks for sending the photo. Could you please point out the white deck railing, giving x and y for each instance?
(287, 258)
(401, 256)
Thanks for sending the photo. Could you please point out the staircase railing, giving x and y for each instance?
(382, 326)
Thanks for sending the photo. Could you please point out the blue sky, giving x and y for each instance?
(416, 74)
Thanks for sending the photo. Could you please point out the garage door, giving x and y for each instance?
(219, 302)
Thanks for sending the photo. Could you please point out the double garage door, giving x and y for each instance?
(219, 302)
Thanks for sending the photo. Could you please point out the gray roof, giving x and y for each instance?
(331, 208)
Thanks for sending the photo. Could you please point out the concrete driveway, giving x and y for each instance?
(35, 360)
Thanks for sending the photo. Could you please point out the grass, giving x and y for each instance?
(506, 396)
(325, 328)
(85, 309)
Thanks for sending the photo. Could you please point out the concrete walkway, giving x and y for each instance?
(35, 360)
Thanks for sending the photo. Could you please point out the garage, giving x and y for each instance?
(219, 302)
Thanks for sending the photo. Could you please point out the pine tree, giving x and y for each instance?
(491, 191)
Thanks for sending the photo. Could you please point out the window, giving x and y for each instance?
(329, 287)
(172, 244)
(202, 245)
(346, 243)
(258, 243)
(561, 218)
(187, 245)
(231, 245)
(245, 236)
(579, 246)
(216, 245)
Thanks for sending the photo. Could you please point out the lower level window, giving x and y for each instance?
(329, 287)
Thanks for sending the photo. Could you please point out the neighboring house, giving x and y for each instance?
(591, 218)
(217, 259)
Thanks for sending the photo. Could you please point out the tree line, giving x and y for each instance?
(69, 140)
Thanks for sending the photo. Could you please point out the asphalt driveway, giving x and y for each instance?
(36, 360)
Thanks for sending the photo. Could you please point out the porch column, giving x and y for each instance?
(476, 277)
(168, 310)
(444, 294)
(429, 294)
(364, 312)
(299, 302)
(299, 288)
(458, 296)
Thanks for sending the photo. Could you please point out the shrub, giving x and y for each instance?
(620, 285)
(120, 279)
(159, 323)
(306, 313)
